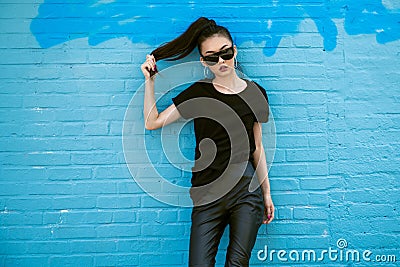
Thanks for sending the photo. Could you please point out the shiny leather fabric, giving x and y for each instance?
(242, 211)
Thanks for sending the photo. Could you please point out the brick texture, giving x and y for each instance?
(68, 197)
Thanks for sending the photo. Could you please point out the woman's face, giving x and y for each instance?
(215, 44)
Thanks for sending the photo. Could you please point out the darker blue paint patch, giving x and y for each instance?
(100, 21)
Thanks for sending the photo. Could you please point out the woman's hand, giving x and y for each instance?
(269, 209)
(149, 65)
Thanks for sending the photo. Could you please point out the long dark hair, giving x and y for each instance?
(195, 35)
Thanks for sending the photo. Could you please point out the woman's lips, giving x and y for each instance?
(223, 68)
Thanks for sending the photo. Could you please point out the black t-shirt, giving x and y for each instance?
(221, 120)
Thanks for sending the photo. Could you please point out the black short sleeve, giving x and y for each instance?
(186, 94)
(262, 110)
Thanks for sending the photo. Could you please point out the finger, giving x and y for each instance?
(151, 64)
(270, 219)
(271, 214)
(265, 216)
(151, 58)
(150, 67)
(147, 67)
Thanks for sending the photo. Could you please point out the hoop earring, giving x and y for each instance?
(235, 63)
(206, 72)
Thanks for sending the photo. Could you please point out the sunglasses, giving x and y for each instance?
(225, 54)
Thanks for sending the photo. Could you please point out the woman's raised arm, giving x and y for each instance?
(153, 119)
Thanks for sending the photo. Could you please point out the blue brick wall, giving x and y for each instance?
(69, 70)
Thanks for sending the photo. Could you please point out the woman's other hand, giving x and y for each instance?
(269, 209)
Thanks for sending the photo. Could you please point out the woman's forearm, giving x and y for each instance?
(150, 111)
(262, 170)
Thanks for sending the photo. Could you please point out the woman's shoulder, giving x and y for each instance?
(199, 83)
(252, 82)
(253, 85)
(197, 88)
(205, 82)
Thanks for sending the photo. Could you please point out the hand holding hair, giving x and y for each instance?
(149, 67)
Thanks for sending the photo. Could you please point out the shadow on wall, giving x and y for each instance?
(103, 20)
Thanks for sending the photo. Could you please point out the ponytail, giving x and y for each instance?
(184, 44)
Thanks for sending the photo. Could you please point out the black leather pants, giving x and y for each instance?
(242, 211)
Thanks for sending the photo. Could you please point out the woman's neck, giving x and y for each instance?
(231, 83)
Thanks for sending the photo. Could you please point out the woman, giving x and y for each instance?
(215, 104)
